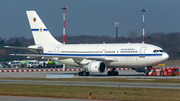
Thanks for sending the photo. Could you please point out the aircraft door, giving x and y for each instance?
(56, 51)
(103, 52)
(142, 52)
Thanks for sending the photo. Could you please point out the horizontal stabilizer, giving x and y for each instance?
(24, 48)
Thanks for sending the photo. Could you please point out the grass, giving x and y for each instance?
(82, 92)
(136, 80)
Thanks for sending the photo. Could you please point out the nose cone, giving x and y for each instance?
(165, 56)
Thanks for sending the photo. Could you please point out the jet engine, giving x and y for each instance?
(95, 67)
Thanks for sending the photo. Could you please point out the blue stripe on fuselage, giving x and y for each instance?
(101, 54)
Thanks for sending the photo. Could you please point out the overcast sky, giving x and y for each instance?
(90, 17)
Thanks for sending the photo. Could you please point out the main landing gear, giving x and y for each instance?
(113, 72)
(84, 73)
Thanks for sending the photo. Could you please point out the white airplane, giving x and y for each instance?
(93, 58)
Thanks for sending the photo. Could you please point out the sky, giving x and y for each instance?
(90, 17)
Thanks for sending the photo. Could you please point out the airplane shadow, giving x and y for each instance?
(118, 75)
(105, 75)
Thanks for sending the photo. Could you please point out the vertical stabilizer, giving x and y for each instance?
(40, 33)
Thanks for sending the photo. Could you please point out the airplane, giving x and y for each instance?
(93, 58)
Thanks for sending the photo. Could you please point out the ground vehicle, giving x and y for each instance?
(1, 65)
(164, 71)
(54, 64)
(4, 63)
(15, 64)
(50, 64)
(24, 63)
(33, 64)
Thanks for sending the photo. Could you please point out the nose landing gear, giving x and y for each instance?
(146, 72)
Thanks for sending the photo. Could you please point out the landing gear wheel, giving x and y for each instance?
(154, 72)
(84, 73)
(162, 73)
(109, 73)
(113, 73)
(87, 73)
(80, 73)
(147, 70)
(116, 73)
(146, 73)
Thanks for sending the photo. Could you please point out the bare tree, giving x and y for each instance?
(132, 34)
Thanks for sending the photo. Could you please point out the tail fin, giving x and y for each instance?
(40, 33)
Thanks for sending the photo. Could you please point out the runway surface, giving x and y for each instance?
(101, 84)
(122, 74)
(22, 98)
(130, 74)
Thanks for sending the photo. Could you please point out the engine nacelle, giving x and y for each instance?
(96, 67)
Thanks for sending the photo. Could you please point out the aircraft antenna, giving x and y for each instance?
(143, 22)
(64, 8)
(116, 24)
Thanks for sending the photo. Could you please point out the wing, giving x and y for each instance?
(75, 58)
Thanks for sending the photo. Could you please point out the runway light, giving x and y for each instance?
(90, 95)
(93, 79)
(119, 86)
(11, 77)
(2, 82)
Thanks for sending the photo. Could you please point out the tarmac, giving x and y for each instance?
(128, 74)
(100, 84)
(23, 98)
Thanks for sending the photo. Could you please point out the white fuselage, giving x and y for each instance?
(125, 55)
(113, 55)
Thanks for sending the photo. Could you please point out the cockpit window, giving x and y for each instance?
(158, 51)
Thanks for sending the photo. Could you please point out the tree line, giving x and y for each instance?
(170, 42)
